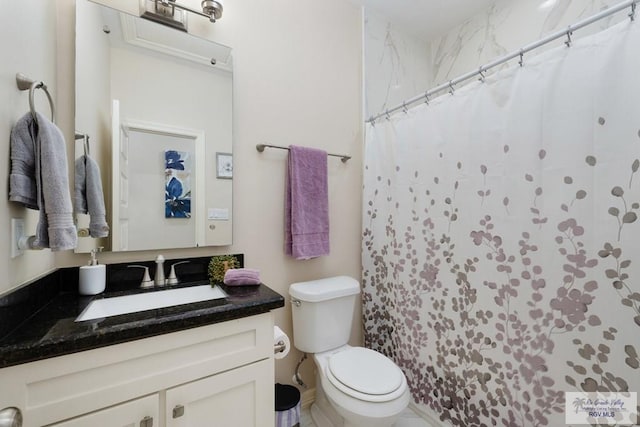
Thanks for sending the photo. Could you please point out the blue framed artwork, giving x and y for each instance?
(177, 192)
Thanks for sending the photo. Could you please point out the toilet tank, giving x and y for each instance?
(323, 312)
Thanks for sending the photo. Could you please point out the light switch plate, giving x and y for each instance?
(17, 231)
(218, 214)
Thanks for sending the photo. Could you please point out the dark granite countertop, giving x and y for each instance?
(51, 330)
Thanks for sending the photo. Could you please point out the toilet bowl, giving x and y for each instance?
(355, 386)
(364, 388)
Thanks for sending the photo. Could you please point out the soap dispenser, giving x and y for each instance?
(92, 277)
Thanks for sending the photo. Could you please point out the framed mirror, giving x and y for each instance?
(154, 109)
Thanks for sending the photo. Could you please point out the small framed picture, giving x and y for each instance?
(224, 165)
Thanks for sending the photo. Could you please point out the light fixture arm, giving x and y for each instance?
(211, 9)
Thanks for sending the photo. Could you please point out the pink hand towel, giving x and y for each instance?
(241, 276)
(306, 204)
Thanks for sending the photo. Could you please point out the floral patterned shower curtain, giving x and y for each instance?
(501, 241)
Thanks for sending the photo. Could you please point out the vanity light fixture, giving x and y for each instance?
(174, 14)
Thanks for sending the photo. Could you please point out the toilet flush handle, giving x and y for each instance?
(296, 302)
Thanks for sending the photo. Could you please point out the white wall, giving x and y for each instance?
(297, 80)
(33, 54)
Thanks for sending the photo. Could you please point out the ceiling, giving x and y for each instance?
(426, 18)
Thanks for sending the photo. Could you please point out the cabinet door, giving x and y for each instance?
(242, 397)
(143, 412)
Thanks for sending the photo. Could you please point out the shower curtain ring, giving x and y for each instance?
(568, 42)
(372, 120)
(404, 107)
(387, 115)
(451, 88)
(481, 72)
(632, 15)
(426, 97)
(521, 62)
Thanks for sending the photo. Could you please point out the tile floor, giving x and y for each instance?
(408, 419)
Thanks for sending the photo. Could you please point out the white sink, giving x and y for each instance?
(114, 306)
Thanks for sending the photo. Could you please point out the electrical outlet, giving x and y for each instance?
(17, 232)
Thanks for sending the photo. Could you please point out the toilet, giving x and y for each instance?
(355, 386)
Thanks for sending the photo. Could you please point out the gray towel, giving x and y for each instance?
(42, 144)
(89, 197)
(22, 180)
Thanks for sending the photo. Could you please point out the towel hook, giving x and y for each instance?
(85, 142)
(25, 83)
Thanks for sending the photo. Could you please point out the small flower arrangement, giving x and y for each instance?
(218, 265)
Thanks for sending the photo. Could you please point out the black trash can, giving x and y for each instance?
(287, 406)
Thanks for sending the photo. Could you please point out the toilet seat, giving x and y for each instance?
(366, 375)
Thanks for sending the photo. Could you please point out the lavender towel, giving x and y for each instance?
(241, 276)
(39, 180)
(306, 204)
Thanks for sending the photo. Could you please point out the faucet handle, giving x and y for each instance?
(173, 279)
(146, 279)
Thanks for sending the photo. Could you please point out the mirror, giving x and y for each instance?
(156, 106)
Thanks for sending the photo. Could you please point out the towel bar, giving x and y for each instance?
(260, 147)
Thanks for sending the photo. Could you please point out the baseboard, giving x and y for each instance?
(307, 398)
(427, 416)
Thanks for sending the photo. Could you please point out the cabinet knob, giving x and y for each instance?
(10, 417)
(146, 422)
(178, 411)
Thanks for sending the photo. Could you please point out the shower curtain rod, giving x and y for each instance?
(520, 52)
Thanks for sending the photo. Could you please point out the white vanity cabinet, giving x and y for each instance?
(233, 398)
(215, 375)
(142, 412)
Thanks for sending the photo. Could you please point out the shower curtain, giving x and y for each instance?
(501, 241)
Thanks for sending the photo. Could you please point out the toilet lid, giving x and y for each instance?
(365, 374)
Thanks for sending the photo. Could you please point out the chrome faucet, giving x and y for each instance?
(159, 279)
(146, 280)
(173, 279)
